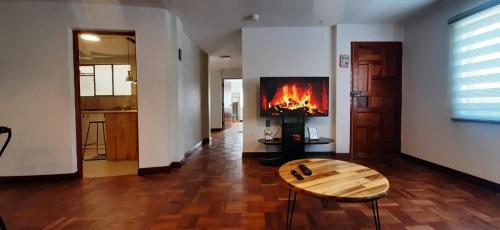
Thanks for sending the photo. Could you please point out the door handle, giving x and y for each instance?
(355, 93)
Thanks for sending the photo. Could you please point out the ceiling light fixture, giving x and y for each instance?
(225, 57)
(90, 37)
(129, 73)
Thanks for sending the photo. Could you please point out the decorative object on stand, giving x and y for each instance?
(268, 134)
(344, 61)
(313, 133)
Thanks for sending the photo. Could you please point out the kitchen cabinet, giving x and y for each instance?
(121, 135)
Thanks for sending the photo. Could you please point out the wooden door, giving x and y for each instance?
(376, 99)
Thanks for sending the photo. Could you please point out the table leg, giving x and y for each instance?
(376, 216)
(324, 203)
(2, 224)
(290, 209)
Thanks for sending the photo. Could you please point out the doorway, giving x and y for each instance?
(232, 103)
(106, 103)
(376, 99)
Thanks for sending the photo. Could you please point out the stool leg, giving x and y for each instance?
(104, 135)
(97, 145)
(86, 138)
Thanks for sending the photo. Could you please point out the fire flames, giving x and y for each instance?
(291, 97)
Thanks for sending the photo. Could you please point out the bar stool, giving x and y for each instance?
(99, 156)
(8, 132)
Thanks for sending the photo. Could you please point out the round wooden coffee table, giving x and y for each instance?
(334, 180)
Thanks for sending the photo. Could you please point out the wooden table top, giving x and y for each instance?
(335, 179)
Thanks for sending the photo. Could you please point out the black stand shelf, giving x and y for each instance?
(291, 148)
(277, 141)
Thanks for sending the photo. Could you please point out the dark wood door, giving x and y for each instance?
(376, 99)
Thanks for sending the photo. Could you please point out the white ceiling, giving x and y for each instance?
(108, 47)
(215, 25)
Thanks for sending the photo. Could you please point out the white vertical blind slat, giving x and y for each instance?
(476, 66)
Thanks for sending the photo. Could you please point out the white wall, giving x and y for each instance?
(345, 34)
(231, 73)
(158, 93)
(305, 51)
(427, 131)
(227, 96)
(191, 103)
(284, 51)
(37, 88)
(215, 78)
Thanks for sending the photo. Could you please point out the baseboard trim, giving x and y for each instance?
(327, 154)
(173, 165)
(40, 178)
(216, 129)
(159, 170)
(205, 141)
(194, 148)
(155, 170)
(455, 173)
(257, 154)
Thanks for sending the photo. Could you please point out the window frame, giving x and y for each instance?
(112, 80)
(93, 78)
(477, 9)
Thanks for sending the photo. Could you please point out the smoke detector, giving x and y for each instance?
(253, 17)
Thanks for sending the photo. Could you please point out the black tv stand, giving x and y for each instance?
(278, 141)
(277, 159)
(291, 147)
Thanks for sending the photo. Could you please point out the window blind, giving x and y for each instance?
(475, 66)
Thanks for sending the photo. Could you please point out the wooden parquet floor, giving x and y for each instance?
(217, 189)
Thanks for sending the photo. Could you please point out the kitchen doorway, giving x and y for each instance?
(232, 103)
(106, 103)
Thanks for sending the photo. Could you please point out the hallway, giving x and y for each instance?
(217, 188)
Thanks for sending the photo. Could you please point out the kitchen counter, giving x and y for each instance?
(121, 132)
(109, 111)
(121, 135)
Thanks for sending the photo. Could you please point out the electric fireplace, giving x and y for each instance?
(282, 96)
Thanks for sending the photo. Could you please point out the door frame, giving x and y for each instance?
(222, 108)
(76, 80)
(351, 113)
(222, 94)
